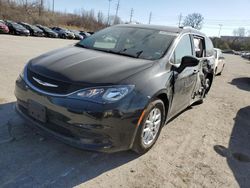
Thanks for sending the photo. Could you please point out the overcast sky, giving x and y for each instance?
(231, 14)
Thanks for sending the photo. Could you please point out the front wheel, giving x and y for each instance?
(150, 127)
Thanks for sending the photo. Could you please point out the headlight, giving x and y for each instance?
(115, 94)
(104, 94)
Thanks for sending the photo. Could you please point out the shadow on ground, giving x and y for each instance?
(31, 161)
(242, 83)
(238, 152)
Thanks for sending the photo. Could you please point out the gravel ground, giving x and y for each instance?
(205, 146)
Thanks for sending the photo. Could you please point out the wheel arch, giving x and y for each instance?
(164, 96)
(210, 76)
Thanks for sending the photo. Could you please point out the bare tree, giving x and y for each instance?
(100, 17)
(194, 20)
(240, 32)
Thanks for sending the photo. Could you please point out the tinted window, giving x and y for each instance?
(136, 42)
(209, 48)
(184, 48)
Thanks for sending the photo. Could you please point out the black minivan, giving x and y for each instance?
(116, 89)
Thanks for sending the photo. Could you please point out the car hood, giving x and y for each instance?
(79, 65)
(22, 30)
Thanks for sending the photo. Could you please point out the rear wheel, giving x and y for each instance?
(150, 127)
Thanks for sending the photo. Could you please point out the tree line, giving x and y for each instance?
(34, 12)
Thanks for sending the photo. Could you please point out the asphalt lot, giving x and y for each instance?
(205, 146)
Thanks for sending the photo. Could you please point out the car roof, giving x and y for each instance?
(171, 29)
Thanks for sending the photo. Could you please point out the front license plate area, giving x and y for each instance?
(37, 111)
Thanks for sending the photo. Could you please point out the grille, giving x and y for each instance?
(63, 87)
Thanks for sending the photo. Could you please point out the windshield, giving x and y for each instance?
(45, 28)
(34, 28)
(18, 26)
(135, 42)
(75, 32)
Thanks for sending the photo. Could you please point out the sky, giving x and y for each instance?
(231, 14)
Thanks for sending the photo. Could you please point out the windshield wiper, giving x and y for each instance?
(81, 45)
(137, 54)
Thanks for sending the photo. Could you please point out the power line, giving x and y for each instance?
(131, 15)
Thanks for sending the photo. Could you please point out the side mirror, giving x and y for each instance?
(221, 58)
(189, 61)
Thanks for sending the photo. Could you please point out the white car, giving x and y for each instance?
(219, 61)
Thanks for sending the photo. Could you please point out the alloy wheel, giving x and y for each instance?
(151, 127)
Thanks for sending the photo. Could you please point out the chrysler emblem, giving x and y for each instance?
(44, 83)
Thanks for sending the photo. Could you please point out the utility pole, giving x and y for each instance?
(41, 8)
(150, 18)
(180, 19)
(220, 29)
(53, 5)
(117, 9)
(109, 12)
(131, 15)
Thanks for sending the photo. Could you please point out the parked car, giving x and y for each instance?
(48, 32)
(219, 61)
(17, 29)
(3, 28)
(228, 51)
(246, 55)
(84, 34)
(34, 31)
(63, 33)
(77, 34)
(113, 96)
(237, 52)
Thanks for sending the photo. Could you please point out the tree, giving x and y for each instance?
(194, 20)
(240, 32)
(100, 17)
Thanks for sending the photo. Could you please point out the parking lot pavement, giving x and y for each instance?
(205, 146)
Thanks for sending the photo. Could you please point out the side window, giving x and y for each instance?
(199, 47)
(184, 48)
(209, 48)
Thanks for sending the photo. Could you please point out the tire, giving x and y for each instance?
(208, 83)
(221, 71)
(141, 144)
(64, 36)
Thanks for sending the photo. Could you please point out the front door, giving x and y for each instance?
(184, 79)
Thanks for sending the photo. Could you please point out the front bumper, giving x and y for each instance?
(37, 34)
(86, 125)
